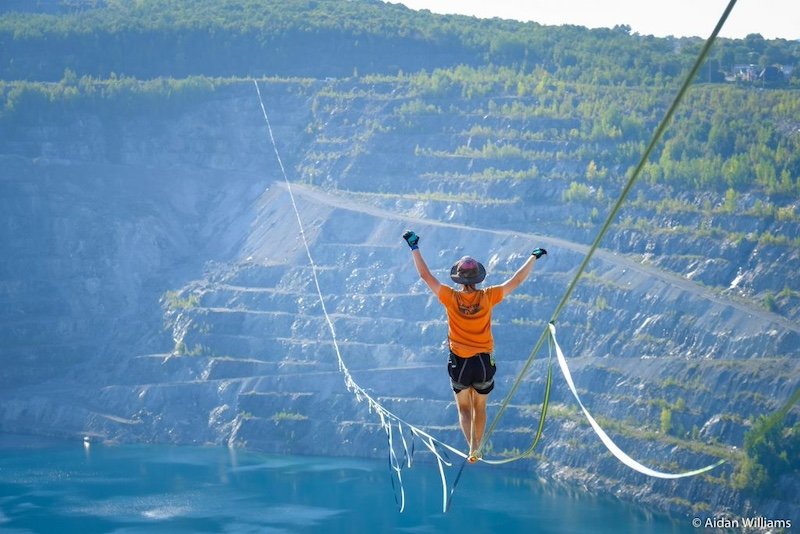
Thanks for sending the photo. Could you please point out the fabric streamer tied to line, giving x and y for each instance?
(610, 445)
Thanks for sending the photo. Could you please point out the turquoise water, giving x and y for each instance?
(50, 487)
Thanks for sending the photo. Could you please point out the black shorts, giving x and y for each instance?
(476, 372)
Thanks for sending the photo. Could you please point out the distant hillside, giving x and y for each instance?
(320, 38)
(717, 203)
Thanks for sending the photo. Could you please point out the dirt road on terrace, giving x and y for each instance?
(753, 312)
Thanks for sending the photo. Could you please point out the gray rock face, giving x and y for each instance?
(159, 291)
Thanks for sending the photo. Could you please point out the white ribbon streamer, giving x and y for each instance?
(610, 445)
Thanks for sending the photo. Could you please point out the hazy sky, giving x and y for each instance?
(771, 18)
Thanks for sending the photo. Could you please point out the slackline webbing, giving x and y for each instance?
(611, 216)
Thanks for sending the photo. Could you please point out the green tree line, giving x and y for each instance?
(726, 139)
(26, 102)
(153, 38)
(772, 449)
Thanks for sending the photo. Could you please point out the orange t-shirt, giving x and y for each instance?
(469, 318)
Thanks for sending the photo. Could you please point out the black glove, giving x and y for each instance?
(412, 239)
(538, 252)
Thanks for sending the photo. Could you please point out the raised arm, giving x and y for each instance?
(419, 262)
(522, 273)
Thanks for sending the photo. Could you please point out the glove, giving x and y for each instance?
(412, 239)
(538, 252)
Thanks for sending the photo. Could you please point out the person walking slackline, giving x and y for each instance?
(471, 364)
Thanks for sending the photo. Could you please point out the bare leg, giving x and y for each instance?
(478, 418)
(465, 410)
